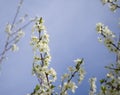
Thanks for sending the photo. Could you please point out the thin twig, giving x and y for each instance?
(17, 12)
(24, 26)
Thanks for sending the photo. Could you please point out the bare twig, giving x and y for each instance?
(17, 12)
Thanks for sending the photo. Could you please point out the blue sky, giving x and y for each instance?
(71, 26)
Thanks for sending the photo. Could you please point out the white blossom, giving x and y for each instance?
(107, 36)
(100, 39)
(81, 74)
(92, 86)
(21, 33)
(113, 7)
(8, 28)
(110, 75)
(78, 61)
(104, 1)
(52, 72)
(107, 32)
(99, 27)
(14, 47)
(65, 76)
(71, 85)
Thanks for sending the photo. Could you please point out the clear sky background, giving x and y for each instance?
(71, 26)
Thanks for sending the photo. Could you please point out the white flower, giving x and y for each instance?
(99, 27)
(100, 39)
(43, 47)
(81, 74)
(108, 41)
(92, 86)
(110, 75)
(34, 39)
(65, 76)
(71, 85)
(21, 33)
(52, 72)
(107, 31)
(8, 28)
(78, 61)
(39, 27)
(14, 47)
(45, 38)
(113, 7)
(47, 59)
(104, 1)
(113, 35)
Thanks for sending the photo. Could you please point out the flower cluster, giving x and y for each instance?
(107, 37)
(111, 84)
(39, 42)
(112, 4)
(92, 86)
(13, 36)
(76, 72)
(46, 76)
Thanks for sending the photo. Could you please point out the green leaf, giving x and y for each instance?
(37, 87)
(52, 86)
(77, 66)
(41, 20)
(103, 88)
(102, 81)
